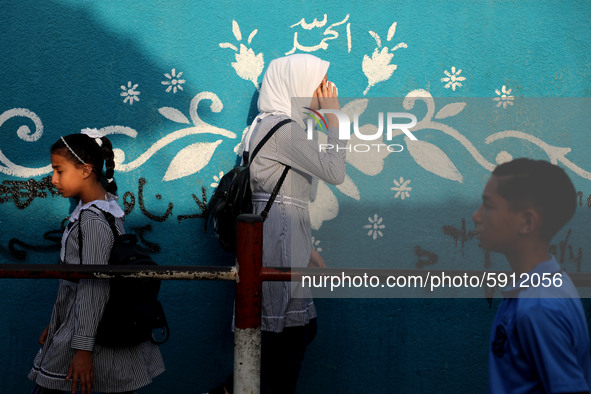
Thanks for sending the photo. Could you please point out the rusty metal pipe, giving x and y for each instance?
(247, 331)
(68, 271)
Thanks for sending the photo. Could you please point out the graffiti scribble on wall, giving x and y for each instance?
(22, 193)
(425, 257)
(129, 202)
(18, 249)
(459, 234)
(559, 250)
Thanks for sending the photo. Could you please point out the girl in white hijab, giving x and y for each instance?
(288, 312)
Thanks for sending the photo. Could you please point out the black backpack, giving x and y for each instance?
(233, 197)
(133, 310)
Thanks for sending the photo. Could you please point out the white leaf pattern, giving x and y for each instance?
(173, 114)
(392, 31)
(450, 110)
(251, 36)
(228, 45)
(433, 159)
(377, 38)
(355, 107)
(236, 30)
(190, 160)
(369, 164)
(349, 188)
(325, 206)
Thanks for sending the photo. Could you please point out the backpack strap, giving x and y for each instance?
(80, 236)
(265, 212)
(110, 219)
(266, 138)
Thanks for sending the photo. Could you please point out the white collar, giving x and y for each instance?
(110, 205)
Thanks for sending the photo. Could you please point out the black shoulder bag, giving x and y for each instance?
(133, 310)
(233, 197)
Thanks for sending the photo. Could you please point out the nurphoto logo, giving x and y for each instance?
(393, 122)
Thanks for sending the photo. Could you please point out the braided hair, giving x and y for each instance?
(81, 149)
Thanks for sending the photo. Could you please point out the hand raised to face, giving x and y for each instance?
(327, 95)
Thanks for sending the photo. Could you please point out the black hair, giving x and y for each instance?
(538, 184)
(79, 147)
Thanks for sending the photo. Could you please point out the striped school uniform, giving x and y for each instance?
(287, 233)
(78, 310)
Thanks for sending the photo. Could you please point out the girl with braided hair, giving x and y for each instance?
(69, 359)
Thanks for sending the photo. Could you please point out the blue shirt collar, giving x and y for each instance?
(550, 266)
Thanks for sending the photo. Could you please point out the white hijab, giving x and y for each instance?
(288, 77)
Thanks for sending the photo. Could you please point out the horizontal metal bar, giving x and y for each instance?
(68, 271)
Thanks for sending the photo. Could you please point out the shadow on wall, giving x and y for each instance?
(58, 62)
(377, 345)
(76, 81)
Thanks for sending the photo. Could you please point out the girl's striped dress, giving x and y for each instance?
(78, 309)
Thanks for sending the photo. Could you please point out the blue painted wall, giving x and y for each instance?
(174, 84)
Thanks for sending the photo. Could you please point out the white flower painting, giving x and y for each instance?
(375, 226)
(453, 79)
(203, 137)
(316, 244)
(216, 179)
(401, 188)
(378, 67)
(505, 99)
(248, 65)
(130, 93)
(173, 81)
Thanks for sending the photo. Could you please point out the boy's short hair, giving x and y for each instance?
(538, 184)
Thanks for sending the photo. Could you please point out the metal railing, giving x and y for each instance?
(248, 275)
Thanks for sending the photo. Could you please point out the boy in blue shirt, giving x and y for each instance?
(539, 339)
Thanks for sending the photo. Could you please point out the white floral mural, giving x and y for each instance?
(375, 226)
(402, 188)
(378, 67)
(130, 93)
(453, 79)
(504, 97)
(173, 82)
(248, 65)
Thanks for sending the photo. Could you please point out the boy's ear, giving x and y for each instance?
(531, 221)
